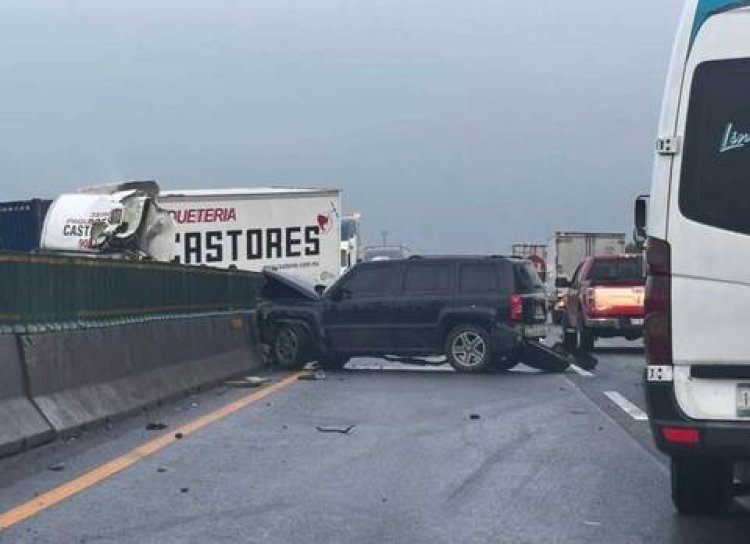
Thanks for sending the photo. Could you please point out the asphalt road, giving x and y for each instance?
(551, 458)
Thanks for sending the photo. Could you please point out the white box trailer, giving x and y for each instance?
(566, 250)
(536, 253)
(296, 231)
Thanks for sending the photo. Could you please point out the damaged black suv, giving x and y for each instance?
(475, 311)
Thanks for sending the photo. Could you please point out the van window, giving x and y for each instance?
(477, 278)
(715, 189)
(428, 278)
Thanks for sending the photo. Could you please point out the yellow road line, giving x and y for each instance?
(97, 475)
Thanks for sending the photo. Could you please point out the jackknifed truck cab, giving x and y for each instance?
(698, 255)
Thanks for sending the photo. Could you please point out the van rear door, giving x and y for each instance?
(708, 226)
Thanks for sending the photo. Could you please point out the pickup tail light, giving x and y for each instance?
(658, 303)
(516, 308)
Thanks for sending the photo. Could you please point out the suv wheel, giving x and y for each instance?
(289, 346)
(701, 486)
(468, 349)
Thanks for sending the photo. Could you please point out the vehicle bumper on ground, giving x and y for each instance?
(615, 326)
(730, 440)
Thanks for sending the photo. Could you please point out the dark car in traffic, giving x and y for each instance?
(475, 311)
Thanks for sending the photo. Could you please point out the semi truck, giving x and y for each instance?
(567, 250)
(293, 230)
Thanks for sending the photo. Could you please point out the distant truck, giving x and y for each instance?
(292, 230)
(567, 250)
(352, 251)
(21, 224)
(536, 253)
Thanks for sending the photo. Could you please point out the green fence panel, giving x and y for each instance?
(39, 288)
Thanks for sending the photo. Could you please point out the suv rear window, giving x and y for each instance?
(428, 278)
(527, 279)
(714, 188)
(617, 269)
(477, 278)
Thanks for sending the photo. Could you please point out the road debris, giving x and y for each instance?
(57, 467)
(178, 436)
(475, 416)
(593, 523)
(248, 381)
(184, 489)
(156, 426)
(161, 469)
(317, 375)
(345, 429)
(311, 366)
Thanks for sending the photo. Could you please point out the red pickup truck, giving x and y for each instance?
(605, 299)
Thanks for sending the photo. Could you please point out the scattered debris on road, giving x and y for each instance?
(345, 429)
(248, 381)
(156, 426)
(184, 490)
(543, 358)
(317, 375)
(311, 366)
(161, 469)
(178, 436)
(475, 416)
(57, 467)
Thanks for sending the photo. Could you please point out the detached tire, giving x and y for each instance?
(701, 486)
(290, 347)
(468, 349)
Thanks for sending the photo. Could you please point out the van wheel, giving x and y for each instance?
(585, 339)
(468, 349)
(290, 347)
(701, 486)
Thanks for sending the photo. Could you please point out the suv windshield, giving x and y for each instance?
(617, 269)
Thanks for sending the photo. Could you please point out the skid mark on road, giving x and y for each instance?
(102, 472)
(626, 406)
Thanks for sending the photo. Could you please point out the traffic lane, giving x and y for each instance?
(541, 464)
(30, 473)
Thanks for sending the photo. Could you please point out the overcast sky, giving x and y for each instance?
(457, 125)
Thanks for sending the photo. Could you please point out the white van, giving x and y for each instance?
(698, 254)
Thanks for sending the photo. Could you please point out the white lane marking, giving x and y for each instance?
(628, 407)
(581, 372)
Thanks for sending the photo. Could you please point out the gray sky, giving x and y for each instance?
(457, 125)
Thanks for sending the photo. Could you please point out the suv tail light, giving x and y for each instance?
(658, 303)
(516, 308)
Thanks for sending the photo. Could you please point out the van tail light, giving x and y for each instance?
(681, 435)
(516, 308)
(658, 303)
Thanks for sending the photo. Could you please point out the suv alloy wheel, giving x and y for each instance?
(468, 348)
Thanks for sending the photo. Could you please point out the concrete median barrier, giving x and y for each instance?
(78, 378)
(21, 423)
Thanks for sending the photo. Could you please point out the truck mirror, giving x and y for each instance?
(640, 218)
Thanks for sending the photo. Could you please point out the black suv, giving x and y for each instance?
(473, 310)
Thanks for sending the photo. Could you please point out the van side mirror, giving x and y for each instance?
(639, 235)
(561, 282)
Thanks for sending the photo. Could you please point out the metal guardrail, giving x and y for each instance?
(41, 292)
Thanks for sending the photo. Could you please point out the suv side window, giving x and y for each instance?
(527, 278)
(428, 278)
(477, 278)
(370, 281)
